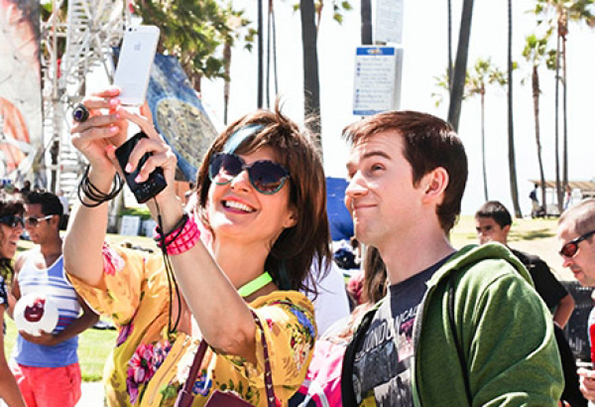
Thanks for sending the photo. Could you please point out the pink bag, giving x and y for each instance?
(225, 398)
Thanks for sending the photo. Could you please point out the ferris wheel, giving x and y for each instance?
(91, 29)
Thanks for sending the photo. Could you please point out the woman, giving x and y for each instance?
(260, 195)
(11, 228)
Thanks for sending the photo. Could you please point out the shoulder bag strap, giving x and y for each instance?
(460, 353)
(185, 397)
(347, 391)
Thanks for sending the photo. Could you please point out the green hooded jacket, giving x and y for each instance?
(503, 329)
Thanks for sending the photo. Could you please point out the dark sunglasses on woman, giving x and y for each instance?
(266, 176)
(12, 220)
(570, 248)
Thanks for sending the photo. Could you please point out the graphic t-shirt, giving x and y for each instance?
(382, 366)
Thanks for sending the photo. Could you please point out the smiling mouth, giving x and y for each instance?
(238, 206)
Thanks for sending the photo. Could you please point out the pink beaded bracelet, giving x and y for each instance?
(181, 239)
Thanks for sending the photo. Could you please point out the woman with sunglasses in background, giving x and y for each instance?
(261, 198)
(12, 209)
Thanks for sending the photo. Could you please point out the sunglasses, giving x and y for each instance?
(12, 220)
(570, 248)
(32, 221)
(266, 176)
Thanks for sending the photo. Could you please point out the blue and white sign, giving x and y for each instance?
(377, 86)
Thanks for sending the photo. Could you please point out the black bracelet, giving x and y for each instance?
(161, 238)
(94, 194)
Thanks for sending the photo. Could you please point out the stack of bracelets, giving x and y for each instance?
(183, 236)
(93, 194)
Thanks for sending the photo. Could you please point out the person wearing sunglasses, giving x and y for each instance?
(46, 366)
(260, 196)
(11, 228)
(576, 242)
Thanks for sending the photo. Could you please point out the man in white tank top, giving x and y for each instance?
(46, 367)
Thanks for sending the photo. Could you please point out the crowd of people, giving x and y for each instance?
(245, 273)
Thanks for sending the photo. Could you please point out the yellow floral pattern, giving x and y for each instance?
(135, 296)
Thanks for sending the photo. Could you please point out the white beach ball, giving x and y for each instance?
(36, 312)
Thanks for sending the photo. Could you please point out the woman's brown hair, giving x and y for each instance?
(294, 250)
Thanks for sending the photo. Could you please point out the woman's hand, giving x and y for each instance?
(161, 155)
(101, 132)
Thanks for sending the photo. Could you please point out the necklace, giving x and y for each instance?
(252, 286)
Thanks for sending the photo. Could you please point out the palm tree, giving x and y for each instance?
(235, 22)
(310, 12)
(460, 68)
(366, 17)
(483, 74)
(311, 81)
(535, 51)
(193, 31)
(449, 69)
(514, 191)
(565, 11)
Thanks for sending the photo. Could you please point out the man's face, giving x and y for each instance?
(380, 196)
(582, 264)
(39, 229)
(489, 231)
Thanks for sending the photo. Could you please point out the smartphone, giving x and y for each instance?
(142, 191)
(134, 63)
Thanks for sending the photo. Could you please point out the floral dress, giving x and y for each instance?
(148, 367)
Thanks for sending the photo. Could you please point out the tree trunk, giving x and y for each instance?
(460, 69)
(449, 71)
(514, 191)
(536, 91)
(366, 16)
(483, 148)
(311, 82)
(564, 119)
(226, 86)
(260, 56)
(559, 194)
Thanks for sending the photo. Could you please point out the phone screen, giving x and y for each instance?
(135, 62)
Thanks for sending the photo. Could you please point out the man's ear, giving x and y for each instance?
(435, 183)
(506, 229)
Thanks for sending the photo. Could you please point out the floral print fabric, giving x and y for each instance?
(148, 367)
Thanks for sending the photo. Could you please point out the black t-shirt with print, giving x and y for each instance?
(382, 365)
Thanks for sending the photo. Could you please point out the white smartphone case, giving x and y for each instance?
(134, 63)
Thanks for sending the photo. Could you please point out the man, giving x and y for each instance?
(448, 333)
(576, 228)
(46, 367)
(492, 223)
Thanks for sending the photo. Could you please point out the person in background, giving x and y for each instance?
(575, 235)
(260, 193)
(447, 333)
(46, 366)
(11, 227)
(493, 223)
